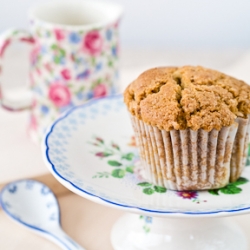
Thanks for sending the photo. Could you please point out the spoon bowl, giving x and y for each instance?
(33, 204)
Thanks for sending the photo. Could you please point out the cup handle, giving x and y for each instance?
(14, 100)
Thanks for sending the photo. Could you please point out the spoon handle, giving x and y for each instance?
(60, 238)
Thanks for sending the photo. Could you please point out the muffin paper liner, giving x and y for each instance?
(192, 160)
(239, 153)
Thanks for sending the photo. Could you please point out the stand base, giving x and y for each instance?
(135, 232)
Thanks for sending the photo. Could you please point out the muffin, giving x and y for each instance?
(191, 126)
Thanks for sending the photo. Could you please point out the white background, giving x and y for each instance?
(165, 23)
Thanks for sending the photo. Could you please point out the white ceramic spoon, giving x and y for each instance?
(33, 205)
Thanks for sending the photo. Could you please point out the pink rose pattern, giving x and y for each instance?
(33, 122)
(28, 40)
(4, 46)
(59, 34)
(59, 94)
(66, 74)
(34, 54)
(100, 90)
(93, 42)
(94, 52)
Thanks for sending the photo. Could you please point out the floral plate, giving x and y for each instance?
(91, 150)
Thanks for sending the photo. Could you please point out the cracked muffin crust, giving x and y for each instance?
(191, 126)
(187, 97)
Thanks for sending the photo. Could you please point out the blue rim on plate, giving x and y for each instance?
(222, 212)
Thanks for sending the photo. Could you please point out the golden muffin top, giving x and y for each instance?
(187, 97)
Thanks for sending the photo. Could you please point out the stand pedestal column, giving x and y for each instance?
(135, 232)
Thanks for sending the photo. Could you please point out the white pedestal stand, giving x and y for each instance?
(134, 232)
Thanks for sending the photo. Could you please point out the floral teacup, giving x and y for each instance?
(74, 57)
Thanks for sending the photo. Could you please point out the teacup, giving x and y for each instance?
(74, 57)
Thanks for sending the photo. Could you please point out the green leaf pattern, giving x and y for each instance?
(113, 163)
(148, 191)
(149, 188)
(130, 169)
(144, 184)
(146, 220)
(123, 164)
(159, 189)
(231, 188)
(118, 173)
(214, 191)
(240, 181)
(248, 156)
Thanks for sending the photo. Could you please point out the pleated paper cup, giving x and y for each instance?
(187, 159)
(239, 154)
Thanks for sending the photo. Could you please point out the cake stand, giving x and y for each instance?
(91, 151)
